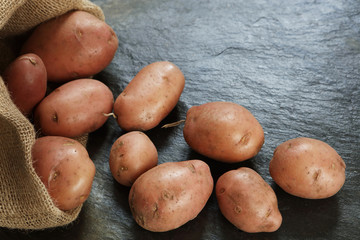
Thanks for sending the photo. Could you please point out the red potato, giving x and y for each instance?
(149, 97)
(26, 80)
(65, 168)
(247, 201)
(74, 45)
(75, 108)
(307, 168)
(223, 131)
(131, 155)
(170, 194)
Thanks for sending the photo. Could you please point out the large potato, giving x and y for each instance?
(170, 194)
(65, 168)
(247, 201)
(74, 45)
(131, 155)
(75, 108)
(223, 131)
(149, 97)
(307, 168)
(26, 80)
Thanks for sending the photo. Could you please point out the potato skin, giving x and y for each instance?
(75, 108)
(26, 80)
(149, 97)
(307, 168)
(74, 45)
(247, 201)
(131, 155)
(223, 131)
(66, 170)
(170, 194)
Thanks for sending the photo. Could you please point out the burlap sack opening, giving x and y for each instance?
(18, 17)
(24, 200)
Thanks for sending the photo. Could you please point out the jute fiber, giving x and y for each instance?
(24, 200)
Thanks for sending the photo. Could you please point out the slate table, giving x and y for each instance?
(294, 64)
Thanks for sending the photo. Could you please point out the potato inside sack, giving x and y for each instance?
(74, 109)
(223, 131)
(131, 155)
(64, 166)
(74, 45)
(247, 201)
(149, 97)
(307, 168)
(26, 80)
(170, 194)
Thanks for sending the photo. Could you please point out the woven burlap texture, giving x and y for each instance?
(24, 200)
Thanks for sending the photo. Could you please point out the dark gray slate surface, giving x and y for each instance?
(294, 64)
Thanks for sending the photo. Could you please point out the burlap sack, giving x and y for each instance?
(24, 200)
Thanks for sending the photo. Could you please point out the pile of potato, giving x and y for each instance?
(166, 196)
(67, 50)
(72, 48)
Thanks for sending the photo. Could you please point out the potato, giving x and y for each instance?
(74, 45)
(66, 170)
(149, 97)
(247, 201)
(75, 108)
(131, 155)
(26, 80)
(170, 194)
(307, 168)
(223, 131)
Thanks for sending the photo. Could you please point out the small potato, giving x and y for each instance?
(65, 168)
(307, 168)
(170, 194)
(75, 108)
(26, 80)
(131, 155)
(223, 131)
(149, 97)
(74, 45)
(247, 201)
